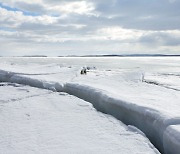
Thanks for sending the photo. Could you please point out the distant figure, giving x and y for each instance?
(83, 71)
(87, 69)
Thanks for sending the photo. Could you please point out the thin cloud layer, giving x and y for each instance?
(59, 27)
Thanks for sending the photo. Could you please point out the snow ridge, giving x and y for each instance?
(149, 121)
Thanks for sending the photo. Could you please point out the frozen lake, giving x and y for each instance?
(143, 92)
(100, 62)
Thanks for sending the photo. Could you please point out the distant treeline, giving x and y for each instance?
(109, 55)
(126, 55)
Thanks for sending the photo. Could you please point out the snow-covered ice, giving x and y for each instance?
(143, 92)
(40, 121)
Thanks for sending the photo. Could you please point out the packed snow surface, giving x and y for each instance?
(40, 121)
(144, 92)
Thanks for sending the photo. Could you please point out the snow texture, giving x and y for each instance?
(40, 121)
(128, 93)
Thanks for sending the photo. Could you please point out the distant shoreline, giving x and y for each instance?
(108, 55)
(132, 55)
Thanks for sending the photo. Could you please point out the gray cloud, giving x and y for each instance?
(32, 7)
(117, 26)
(161, 38)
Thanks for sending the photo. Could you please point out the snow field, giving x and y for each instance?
(150, 121)
(116, 87)
(40, 121)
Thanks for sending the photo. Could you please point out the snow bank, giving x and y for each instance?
(15, 78)
(150, 121)
(172, 139)
(153, 123)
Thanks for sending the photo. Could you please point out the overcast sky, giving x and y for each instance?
(86, 27)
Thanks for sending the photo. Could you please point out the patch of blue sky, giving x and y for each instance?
(26, 13)
(7, 29)
(7, 7)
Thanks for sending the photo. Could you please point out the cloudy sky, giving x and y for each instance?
(86, 27)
